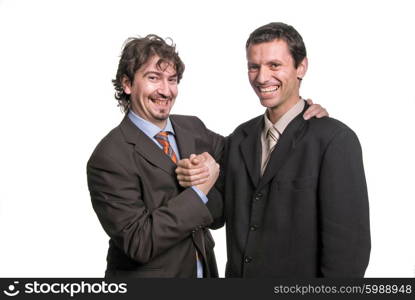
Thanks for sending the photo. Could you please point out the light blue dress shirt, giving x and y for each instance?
(151, 131)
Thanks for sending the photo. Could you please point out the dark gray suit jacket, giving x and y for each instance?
(155, 226)
(308, 215)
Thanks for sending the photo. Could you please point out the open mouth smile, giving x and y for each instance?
(268, 89)
(161, 102)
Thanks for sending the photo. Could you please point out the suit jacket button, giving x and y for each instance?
(248, 259)
(258, 196)
(253, 227)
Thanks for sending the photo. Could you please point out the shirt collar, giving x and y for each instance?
(147, 127)
(283, 122)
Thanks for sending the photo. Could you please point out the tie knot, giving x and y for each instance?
(162, 134)
(163, 139)
(272, 137)
(273, 133)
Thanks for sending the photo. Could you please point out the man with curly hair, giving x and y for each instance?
(156, 228)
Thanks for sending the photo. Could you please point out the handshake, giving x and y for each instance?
(200, 171)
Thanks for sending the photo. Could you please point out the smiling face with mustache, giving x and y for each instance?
(153, 91)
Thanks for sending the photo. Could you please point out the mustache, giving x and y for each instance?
(157, 96)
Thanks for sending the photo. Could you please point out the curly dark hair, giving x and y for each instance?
(280, 31)
(137, 52)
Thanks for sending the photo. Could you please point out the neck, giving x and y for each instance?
(159, 123)
(275, 113)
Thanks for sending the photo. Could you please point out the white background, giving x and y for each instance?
(57, 59)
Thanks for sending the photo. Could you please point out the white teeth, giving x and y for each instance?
(269, 89)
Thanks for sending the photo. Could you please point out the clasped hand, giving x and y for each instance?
(200, 171)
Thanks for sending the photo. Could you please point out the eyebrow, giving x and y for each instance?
(159, 74)
(153, 72)
(276, 61)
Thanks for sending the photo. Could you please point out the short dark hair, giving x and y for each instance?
(137, 52)
(280, 31)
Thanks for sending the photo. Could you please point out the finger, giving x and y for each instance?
(183, 171)
(202, 157)
(309, 101)
(195, 160)
(189, 184)
(190, 172)
(185, 183)
(184, 163)
(208, 159)
(313, 111)
(323, 113)
(199, 182)
(206, 156)
(193, 171)
(192, 178)
(308, 113)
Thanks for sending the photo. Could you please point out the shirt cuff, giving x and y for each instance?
(200, 194)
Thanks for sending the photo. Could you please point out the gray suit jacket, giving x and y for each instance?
(155, 226)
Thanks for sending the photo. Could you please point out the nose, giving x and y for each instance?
(262, 76)
(164, 89)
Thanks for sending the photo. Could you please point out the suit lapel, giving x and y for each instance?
(184, 138)
(284, 148)
(251, 149)
(146, 147)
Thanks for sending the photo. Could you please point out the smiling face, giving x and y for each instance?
(273, 76)
(153, 91)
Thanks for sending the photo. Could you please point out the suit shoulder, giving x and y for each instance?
(247, 125)
(109, 144)
(187, 121)
(329, 128)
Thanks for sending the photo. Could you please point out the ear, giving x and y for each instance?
(126, 85)
(302, 68)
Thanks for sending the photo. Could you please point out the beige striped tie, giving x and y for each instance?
(272, 139)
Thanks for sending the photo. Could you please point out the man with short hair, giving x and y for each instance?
(295, 194)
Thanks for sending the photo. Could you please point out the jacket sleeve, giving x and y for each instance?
(215, 195)
(343, 209)
(139, 230)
